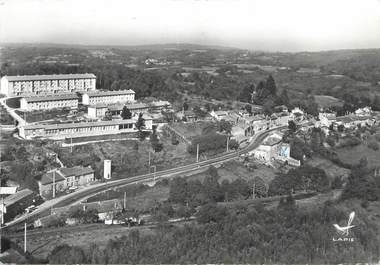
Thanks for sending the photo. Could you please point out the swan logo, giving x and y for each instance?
(344, 231)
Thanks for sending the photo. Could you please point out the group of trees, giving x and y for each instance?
(212, 142)
(241, 234)
(362, 184)
(304, 178)
(195, 192)
(157, 146)
(266, 94)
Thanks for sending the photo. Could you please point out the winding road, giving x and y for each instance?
(79, 195)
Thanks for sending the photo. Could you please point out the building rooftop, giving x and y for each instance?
(98, 93)
(63, 173)
(49, 178)
(98, 106)
(132, 106)
(160, 103)
(351, 118)
(75, 171)
(48, 77)
(77, 125)
(51, 98)
(11, 199)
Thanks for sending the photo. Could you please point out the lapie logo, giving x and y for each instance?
(344, 231)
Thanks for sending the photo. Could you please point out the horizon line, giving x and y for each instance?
(209, 46)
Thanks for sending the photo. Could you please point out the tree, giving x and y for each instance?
(155, 142)
(178, 192)
(140, 125)
(126, 113)
(65, 254)
(247, 93)
(248, 108)
(174, 139)
(225, 126)
(284, 98)
(198, 112)
(292, 126)
(185, 106)
(270, 85)
(376, 103)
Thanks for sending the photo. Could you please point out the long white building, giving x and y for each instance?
(32, 85)
(72, 130)
(108, 97)
(49, 102)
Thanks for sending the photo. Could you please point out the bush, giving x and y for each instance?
(350, 141)
(209, 142)
(373, 145)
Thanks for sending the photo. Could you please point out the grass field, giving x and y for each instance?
(41, 245)
(352, 155)
(129, 157)
(331, 169)
(327, 101)
(190, 130)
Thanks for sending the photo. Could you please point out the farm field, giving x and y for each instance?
(327, 101)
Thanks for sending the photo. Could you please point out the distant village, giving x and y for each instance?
(103, 116)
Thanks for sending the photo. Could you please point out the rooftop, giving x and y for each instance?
(51, 98)
(76, 171)
(160, 103)
(98, 93)
(77, 125)
(49, 178)
(11, 199)
(63, 173)
(351, 118)
(132, 106)
(48, 77)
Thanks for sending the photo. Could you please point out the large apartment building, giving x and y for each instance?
(32, 85)
(108, 97)
(72, 130)
(49, 102)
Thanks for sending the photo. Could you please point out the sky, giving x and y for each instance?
(269, 25)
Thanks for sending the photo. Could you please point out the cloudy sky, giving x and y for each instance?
(274, 25)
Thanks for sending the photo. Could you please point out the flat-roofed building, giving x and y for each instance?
(108, 97)
(135, 108)
(97, 111)
(49, 102)
(72, 130)
(32, 85)
(160, 105)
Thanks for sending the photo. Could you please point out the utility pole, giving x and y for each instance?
(253, 190)
(2, 221)
(125, 200)
(197, 153)
(54, 184)
(228, 142)
(149, 159)
(154, 172)
(25, 238)
(71, 144)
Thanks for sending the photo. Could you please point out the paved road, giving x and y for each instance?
(69, 199)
